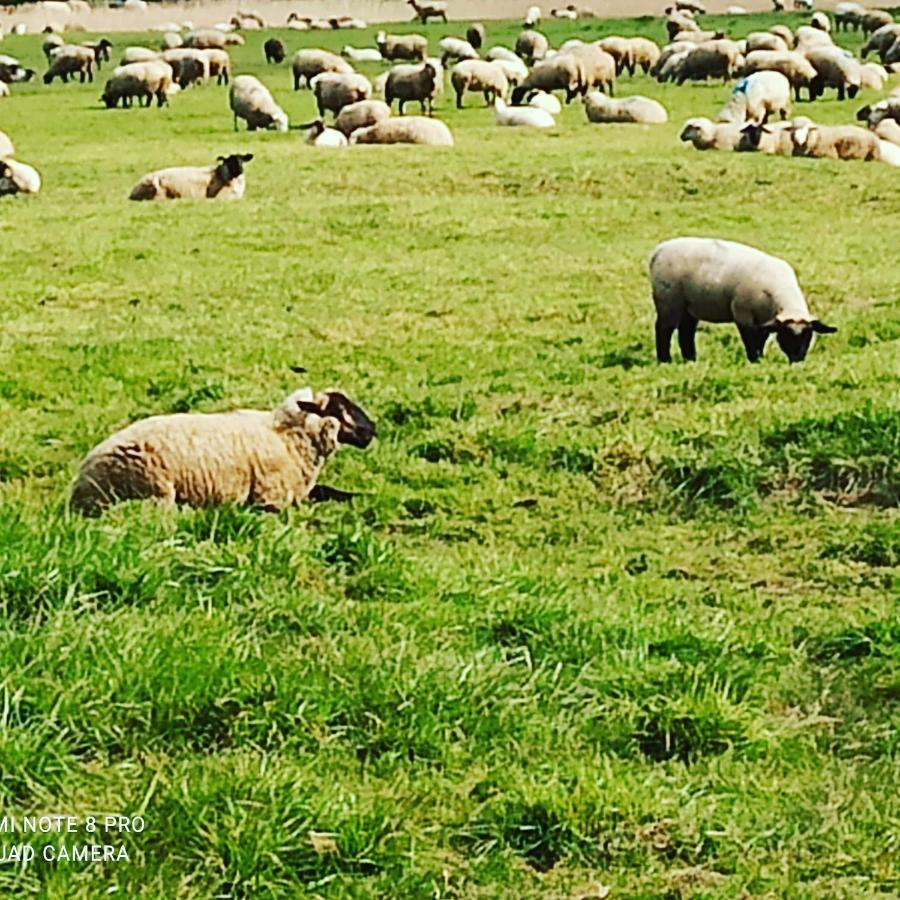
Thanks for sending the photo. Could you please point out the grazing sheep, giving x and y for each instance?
(794, 66)
(784, 33)
(501, 53)
(456, 49)
(144, 80)
(137, 54)
(402, 46)
(691, 6)
(223, 181)
(251, 457)
(765, 40)
(51, 42)
(412, 83)
(69, 60)
(848, 15)
(274, 51)
(679, 23)
(821, 21)
(479, 76)
(638, 110)
(251, 101)
(881, 41)
(644, 54)
(834, 69)
(309, 63)
(705, 134)
(475, 35)
(543, 100)
(873, 77)
(698, 37)
(405, 130)
(521, 116)
(207, 39)
(515, 70)
(362, 54)
(334, 90)
(532, 46)
(321, 136)
(17, 177)
(875, 19)
(669, 62)
(532, 17)
(100, 49)
(712, 59)
(808, 38)
(431, 9)
(709, 280)
(835, 142)
(361, 115)
(562, 73)
(192, 61)
(620, 49)
(756, 97)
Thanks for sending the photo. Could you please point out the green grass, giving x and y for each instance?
(594, 620)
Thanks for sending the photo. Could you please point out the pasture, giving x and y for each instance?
(594, 622)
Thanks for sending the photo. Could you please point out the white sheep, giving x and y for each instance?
(321, 136)
(269, 460)
(639, 110)
(362, 54)
(710, 280)
(705, 134)
(455, 50)
(756, 97)
(18, 178)
(252, 101)
(405, 130)
(223, 181)
(501, 53)
(521, 116)
(532, 16)
(835, 142)
(547, 102)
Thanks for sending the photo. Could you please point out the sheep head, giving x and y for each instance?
(353, 426)
(795, 336)
(231, 167)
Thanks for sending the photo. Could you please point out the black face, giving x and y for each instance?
(863, 114)
(357, 429)
(752, 134)
(795, 338)
(230, 167)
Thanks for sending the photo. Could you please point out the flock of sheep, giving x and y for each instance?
(272, 459)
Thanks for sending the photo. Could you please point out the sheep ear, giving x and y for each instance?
(247, 157)
(821, 328)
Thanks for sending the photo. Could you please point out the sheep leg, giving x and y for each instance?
(754, 341)
(687, 332)
(664, 332)
(459, 104)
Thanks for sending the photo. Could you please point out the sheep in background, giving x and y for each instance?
(252, 101)
(475, 35)
(709, 280)
(521, 116)
(412, 83)
(334, 91)
(430, 9)
(362, 54)
(835, 142)
(455, 50)
(638, 110)
(705, 134)
(405, 130)
(311, 62)
(269, 460)
(395, 47)
(274, 51)
(68, 60)
(532, 46)
(223, 181)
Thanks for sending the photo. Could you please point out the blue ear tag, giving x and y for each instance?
(740, 87)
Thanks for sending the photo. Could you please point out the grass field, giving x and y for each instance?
(595, 622)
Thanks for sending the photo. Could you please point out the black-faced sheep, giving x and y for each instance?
(223, 181)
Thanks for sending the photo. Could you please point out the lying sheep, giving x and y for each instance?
(456, 50)
(319, 135)
(561, 73)
(808, 38)
(532, 46)
(705, 134)
(543, 100)
(274, 51)
(309, 63)
(143, 80)
(835, 142)
(334, 91)
(479, 76)
(405, 130)
(794, 66)
(888, 130)
(639, 110)
(17, 177)
(835, 70)
(362, 54)
(521, 116)
(251, 101)
(68, 60)
(412, 83)
(223, 181)
(873, 114)
(361, 115)
(269, 460)
(772, 140)
(708, 280)
(6, 146)
(757, 97)
(402, 46)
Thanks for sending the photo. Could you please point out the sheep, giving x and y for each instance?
(808, 38)
(192, 61)
(562, 73)
(475, 35)
(848, 15)
(309, 63)
(501, 53)
(697, 37)
(222, 181)
(543, 100)
(705, 134)
(171, 40)
(456, 49)
(881, 41)
(669, 62)
(765, 40)
(402, 46)
(100, 49)
(872, 77)
(218, 65)
(620, 49)
(405, 130)
(874, 114)
(137, 54)
(875, 19)
(711, 280)
(835, 142)
(736, 11)
(51, 42)
(69, 60)
(644, 54)
(411, 83)
(691, 6)
(598, 68)
(679, 23)
(361, 115)
(251, 100)
(274, 51)
(12, 73)
(18, 178)
(756, 97)
(569, 14)
(771, 140)
(362, 54)
(334, 90)
(144, 80)
(639, 110)
(892, 56)
(321, 136)
(515, 70)
(270, 460)
(713, 59)
(479, 76)
(431, 9)
(532, 46)
(532, 17)
(521, 116)
(836, 70)
(821, 21)
(794, 66)
(784, 33)
(206, 39)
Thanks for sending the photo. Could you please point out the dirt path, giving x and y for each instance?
(275, 12)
